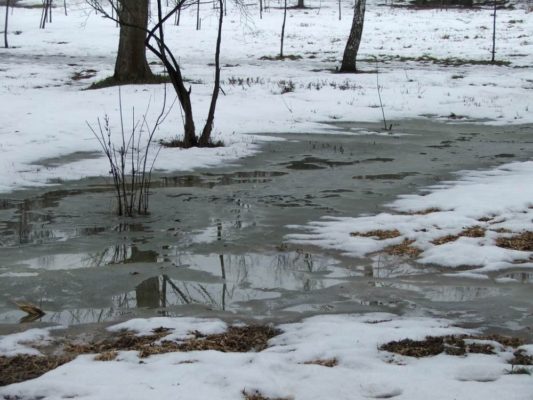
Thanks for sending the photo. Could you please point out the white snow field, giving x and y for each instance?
(363, 371)
(428, 62)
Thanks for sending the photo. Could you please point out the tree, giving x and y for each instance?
(131, 64)
(282, 37)
(155, 42)
(354, 40)
(6, 45)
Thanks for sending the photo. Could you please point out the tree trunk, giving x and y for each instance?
(354, 40)
(300, 4)
(283, 29)
(6, 45)
(493, 59)
(205, 139)
(131, 64)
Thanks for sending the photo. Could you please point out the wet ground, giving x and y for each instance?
(213, 244)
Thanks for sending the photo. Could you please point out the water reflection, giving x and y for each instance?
(448, 293)
(116, 254)
(210, 180)
(32, 222)
(519, 276)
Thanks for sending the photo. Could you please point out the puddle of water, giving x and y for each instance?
(123, 281)
(310, 163)
(518, 276)
(213, 243)
(388, 177)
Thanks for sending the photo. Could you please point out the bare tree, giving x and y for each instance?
(493, 59)
(46, 14)
(283, 29)
(354, 40)
(6, 45)
(155, 42)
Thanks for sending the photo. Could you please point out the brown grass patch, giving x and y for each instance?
(403, 249)
(522, 241)
(472, 232)
(23, 367)
(423, 212)
(256, 395)
(379, 233)
(106, 356)
(235, 339)
(239, 339)
(521, 358)
(501, 230)
(451, 345)
(329, 362)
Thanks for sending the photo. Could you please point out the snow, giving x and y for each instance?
(499, 195)
(363, 371)
(18, 343)
(181, 327)
(44, 117)
(46, 112)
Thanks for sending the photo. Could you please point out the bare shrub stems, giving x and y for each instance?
(130, 162)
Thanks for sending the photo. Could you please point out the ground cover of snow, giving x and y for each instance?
(497, 202)
(16, 343)
(426, 61)
(284, 370)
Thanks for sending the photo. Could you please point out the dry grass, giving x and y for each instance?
(256, 395)
(238, 339)
(328, 362)
(106, 356)
(522, 241)
(472, 232)
(24, 367)
(422, 212)
(403, 249)
(501, 230)
(521, 358)
(235, 339)
(379, 234)
(451, 345)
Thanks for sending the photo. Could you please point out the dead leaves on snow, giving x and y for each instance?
(235, 339)
(379, 234)
(522, 241)
(456, 346)
(23, 367)
(472, 232)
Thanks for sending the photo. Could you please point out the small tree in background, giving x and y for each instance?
(282, 37)
(354, 40)
(493, 59)
(6, 45)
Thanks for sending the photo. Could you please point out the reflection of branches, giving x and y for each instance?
(177, 289)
